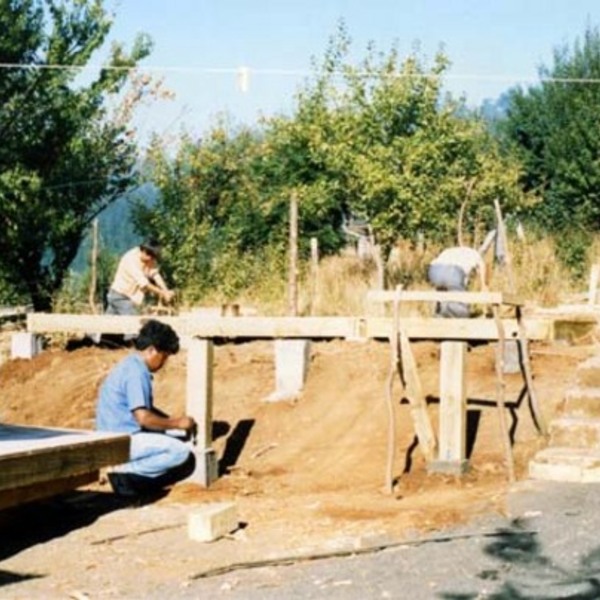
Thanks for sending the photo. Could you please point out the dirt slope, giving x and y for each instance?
(316, 465)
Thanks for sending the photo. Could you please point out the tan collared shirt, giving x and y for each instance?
(133, 276)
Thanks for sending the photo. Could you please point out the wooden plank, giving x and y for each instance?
(438, 296)
(431, 328)
(30, 455)
(46, 489)
(295, 327)
(452, 445)
(200, 326)
(416, 398)
(199, 405)
(14, 312)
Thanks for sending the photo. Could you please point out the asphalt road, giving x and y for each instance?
(548, 546)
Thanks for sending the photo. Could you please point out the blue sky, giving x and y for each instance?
(200, 44)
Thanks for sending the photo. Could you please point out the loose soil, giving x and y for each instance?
(306, 475)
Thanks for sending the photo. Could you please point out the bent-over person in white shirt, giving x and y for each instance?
(452, 270)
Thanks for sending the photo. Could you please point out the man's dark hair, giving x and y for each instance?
(157, 334)
(152, 247)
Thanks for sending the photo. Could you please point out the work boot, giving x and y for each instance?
(123, 485)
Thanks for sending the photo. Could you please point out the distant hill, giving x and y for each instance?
(116, 232)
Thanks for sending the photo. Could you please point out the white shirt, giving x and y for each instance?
(468, 259)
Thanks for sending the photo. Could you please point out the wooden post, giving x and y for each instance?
(314, 274)
(93, 267)
(293, 272)
(416, 398)
(199, 406)
(452, 438)
(504, 241)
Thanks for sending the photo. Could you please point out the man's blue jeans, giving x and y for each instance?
(449, 278)
(118, 304)
(154, 454)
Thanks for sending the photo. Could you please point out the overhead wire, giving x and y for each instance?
(295, 72)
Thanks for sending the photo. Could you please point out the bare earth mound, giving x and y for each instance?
(306, 475)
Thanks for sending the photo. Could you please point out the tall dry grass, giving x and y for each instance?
(532, 271)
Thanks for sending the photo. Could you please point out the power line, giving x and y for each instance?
(246, 71)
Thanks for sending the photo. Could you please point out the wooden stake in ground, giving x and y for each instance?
(93, 265)
(314, 274)
(501, 233)
(293, 268)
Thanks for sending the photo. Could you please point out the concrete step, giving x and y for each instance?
(575, 432)
(581, 402)
(588, 372)
(579, 465)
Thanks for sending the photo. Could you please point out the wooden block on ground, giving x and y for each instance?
(212, 521)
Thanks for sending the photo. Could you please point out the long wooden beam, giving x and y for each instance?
(437, 296)
(294, 327)
(14, 312)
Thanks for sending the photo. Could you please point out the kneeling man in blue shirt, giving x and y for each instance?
(125, 405)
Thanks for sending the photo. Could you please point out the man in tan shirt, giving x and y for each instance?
(137, 275)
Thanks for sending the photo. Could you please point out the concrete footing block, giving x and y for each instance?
(25, 345)
(212, 521)
(292, 358)
(448, 467)
(511, 357)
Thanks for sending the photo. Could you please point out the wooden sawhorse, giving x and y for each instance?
(448, 453)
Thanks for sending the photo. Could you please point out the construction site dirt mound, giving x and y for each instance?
(312, 470)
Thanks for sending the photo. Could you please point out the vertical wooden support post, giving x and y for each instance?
(500, 390)
(453, 414)
(293, 272)
(93, 267)
(199, 406)
(314, 275)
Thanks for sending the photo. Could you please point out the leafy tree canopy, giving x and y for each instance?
(376, 140)
(64, 156)
(555, 130)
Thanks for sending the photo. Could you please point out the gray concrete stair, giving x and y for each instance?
(580, 465)
(573, 452)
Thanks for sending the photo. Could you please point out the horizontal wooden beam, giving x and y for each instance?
(386, 296)
(293, 327)
(198, 325)
(458, 329)
(14, 312)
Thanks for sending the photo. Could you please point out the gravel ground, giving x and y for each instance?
(546, 547)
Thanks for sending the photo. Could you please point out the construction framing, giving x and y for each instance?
(201, 329)
(37, 462)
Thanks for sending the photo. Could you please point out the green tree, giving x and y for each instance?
(386, 145)
(64, 156)
(376, 140)
(555, 130)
